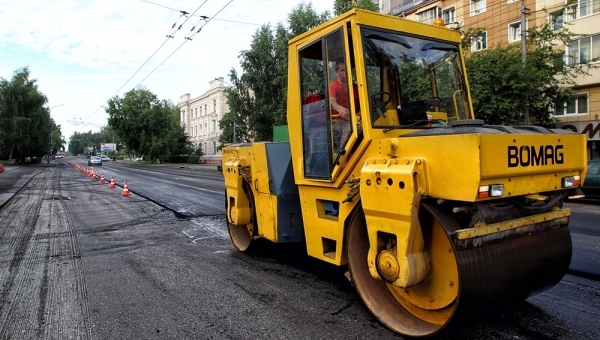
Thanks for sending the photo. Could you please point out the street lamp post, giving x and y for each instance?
(50, 137)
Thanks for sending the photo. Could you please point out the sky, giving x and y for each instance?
(84, 52)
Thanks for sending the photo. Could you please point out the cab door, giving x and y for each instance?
(326, 85)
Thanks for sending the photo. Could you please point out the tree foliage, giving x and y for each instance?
(146, 125)
(26, 128)
(81, 142)
(501, 86)
(258, 98)
(343, 6)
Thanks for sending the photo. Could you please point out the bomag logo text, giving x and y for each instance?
(535, 155)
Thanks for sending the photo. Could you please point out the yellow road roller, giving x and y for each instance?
(387, 171)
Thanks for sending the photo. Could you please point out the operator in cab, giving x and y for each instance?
(340, 106)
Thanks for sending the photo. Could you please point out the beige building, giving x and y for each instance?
(501, 20)
(201, 115)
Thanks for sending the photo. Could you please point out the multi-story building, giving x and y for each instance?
(501, 22)
(201, 116)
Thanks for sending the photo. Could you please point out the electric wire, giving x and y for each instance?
(169, 36)
(234, 21)
(189, 38)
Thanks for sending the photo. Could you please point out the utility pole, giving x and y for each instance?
(524, 13)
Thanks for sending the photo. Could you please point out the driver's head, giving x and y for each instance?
(340, 71)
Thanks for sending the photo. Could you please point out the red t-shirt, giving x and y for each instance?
(340, 92)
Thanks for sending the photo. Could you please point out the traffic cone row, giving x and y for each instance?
(92, 173)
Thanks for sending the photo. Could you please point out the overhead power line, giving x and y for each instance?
(187, 38)
(169, 36)
(234, 21)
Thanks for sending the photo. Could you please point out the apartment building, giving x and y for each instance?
(201, 116)
(501, 21)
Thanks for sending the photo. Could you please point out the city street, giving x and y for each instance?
(81, 261)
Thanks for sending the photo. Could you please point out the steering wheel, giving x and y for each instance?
(378, 101)
(432, 102)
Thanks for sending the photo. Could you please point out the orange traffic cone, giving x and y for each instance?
(102, 180)
(112, 182)
(125, 189)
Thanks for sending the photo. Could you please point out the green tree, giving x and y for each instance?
(501, 86)
(81, 142)
(258, 99)
(343, 6)
(183, 144)
(145, 124)
(241, 103)
(26, 128)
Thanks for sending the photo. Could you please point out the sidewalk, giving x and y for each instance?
(15, 177)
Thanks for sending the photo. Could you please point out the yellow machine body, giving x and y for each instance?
(417, 193)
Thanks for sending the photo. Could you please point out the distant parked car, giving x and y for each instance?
(139, 159)
(104, 158)
(94, 160)
(591, 184)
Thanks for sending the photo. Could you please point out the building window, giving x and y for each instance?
(205, 109)
(577, 106)
(584, 50)
(479, 43)
(588, 7)
(214, 147)
(556, 19)
(514, 32)
(477, 6)
(428, 15)
(215, 103)
(449, 15)
(582, 8)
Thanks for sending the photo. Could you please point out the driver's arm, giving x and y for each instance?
(339, 109)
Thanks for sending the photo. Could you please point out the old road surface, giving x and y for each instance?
(80, 261)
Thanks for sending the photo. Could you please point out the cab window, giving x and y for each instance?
(325, 109)
(413, 81)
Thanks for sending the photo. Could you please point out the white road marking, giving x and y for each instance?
(202, 238)
(203, 225)
(213, 229)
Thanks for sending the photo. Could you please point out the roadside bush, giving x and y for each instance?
(193, 159)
